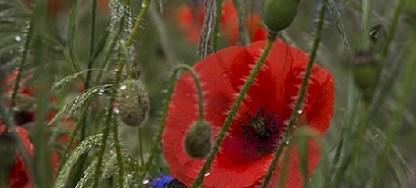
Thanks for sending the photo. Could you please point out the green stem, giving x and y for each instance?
(139, 20)
(218, 10)
(234, 108)
(165, 108)
(242, 17)
(108, 120)
(118, 153)
(392, 28)
(366, 7)
(300, 99)
(21, 65)
(392, 129)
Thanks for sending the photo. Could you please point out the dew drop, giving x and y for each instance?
(287, 142)
(300, 112)
(207, 174)
(18, 38)
(145, 181)
(123, 87)
(116, 110)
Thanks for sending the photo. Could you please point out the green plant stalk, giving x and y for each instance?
(366, 7)
(44, 75)
(394, 124)
(392, 28)
(87, 83)
(21, 66)
(165, 108)
(365, 123)
(242, 17)
(140, 162)
(234, 108)
(108, 120)
(139, 21)
(90, 65)
(119, 155)
(218, 10)
(300, 99)
(71, 35)
(112, 46)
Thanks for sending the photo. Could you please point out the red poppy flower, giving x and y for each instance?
(190, 21)
(246, 151)
(18, 174)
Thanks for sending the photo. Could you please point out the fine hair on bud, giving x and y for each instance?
(133, 102)
(198, 140)
(279, 14)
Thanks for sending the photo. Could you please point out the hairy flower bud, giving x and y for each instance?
(133, 102)
(279, 14)
(198, 140)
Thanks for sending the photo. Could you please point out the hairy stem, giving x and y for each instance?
(139, 21)
(234, 108)
(300, 99)
(108, 120)
(165, 108)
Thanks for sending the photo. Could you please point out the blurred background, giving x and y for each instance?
(368, 45)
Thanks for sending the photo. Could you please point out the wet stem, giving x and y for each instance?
(300, 99)
(234, 108)
(172, 82)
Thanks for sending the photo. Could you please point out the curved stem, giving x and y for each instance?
(234, 108)
(165, 108)
(300, 99)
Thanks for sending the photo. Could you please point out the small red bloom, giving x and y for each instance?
(190, 21)
(248, 148)
(18, 174)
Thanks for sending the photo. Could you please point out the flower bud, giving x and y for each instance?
(133, 102)
(198, 140)
(279, 14)
(366, 71)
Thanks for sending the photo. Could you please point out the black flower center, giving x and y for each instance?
(262, 131)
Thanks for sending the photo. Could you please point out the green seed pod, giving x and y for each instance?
(366, 71)
(133, 102)
(198, 140)
(279, 14)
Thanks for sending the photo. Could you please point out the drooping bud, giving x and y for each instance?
(279, 14)
(198, 140)
(366, 71)
(133, 102)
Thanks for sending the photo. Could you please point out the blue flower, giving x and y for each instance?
(166, 181)
(161, 181)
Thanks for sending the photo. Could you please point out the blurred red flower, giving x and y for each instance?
(247, 150)
(18, 174)
(190, 21)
